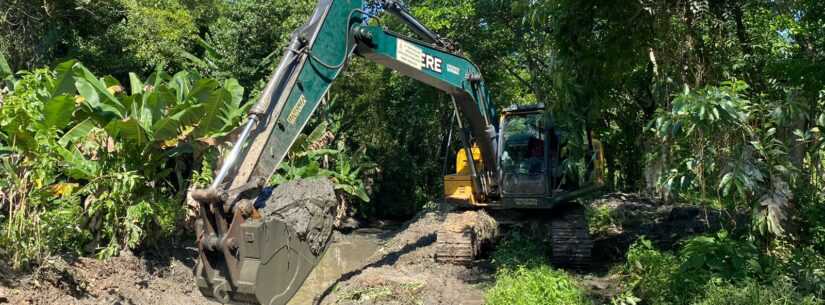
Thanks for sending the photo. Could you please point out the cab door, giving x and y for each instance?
(523, 154)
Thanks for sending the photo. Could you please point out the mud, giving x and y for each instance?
(162, 278)
(634, 216)
(404, 271)
(308, 206)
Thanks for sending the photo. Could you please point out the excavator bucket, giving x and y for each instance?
(273, 241)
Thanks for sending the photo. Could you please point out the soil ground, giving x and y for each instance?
(401, 271)
(161, 278)
(404, 272)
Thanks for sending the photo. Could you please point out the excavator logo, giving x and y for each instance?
(413, 56)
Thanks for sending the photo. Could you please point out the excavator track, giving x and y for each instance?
(570, 241)
(463, 235)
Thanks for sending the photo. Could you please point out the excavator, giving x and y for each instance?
(508, 163)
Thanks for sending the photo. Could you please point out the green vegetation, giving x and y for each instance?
(91, 166)
(524, 277)
(538, 285)
(720, 270)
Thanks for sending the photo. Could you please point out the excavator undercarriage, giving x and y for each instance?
(466, 234)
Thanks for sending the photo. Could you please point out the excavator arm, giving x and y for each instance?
(246, 257)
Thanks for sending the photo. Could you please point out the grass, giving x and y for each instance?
(405, 293)
(524, 276)
(539, 285)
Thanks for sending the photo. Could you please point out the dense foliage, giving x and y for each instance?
(719, 270)
(91, 166)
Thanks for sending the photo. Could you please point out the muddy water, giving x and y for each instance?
(346, 253)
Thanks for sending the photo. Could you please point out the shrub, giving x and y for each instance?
(648, 272)
(92, 167)
(781, 292)
(539, 285)
(664, 278)
(807, 267)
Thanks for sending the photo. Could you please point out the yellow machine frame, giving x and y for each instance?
(458, 187)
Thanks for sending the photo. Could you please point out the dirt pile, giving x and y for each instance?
(404, 271)
(631, 216)
(126, 279)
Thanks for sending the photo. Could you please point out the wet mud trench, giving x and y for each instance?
(346, 254)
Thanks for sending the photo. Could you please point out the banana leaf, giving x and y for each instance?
(100, 87)
(170, 126)
(129, 130)
(211, 115)
(135, 84)
(57, 112)
(79, 131)
(64, 83)
(77, 166)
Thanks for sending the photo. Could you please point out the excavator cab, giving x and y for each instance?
(531, 160)
(524, 152)
(531, 163)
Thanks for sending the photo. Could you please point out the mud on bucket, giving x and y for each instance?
(277, 251)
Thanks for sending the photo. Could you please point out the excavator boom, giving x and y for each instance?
(246, 256)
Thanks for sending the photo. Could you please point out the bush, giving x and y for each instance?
(92, 167)
(664, 278)
(778, 293)
(648, 272)
(535, 286)
(807, 267)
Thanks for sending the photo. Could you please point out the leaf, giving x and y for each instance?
(361, 193)
(725, 183)
(235, 92)
(65, 78)
(77, 166)
(774, 205)
(5, 70)
(101, 88)
(135, 84)
(79, 131)
(57, 112)
(202, 90)
(211, 121)
(92, 99)
(155, 104)
(317, 133)
(194, 59)
(127, 129)
(169, 126)
(180, 84)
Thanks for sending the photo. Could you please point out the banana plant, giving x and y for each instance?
(161, 116)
